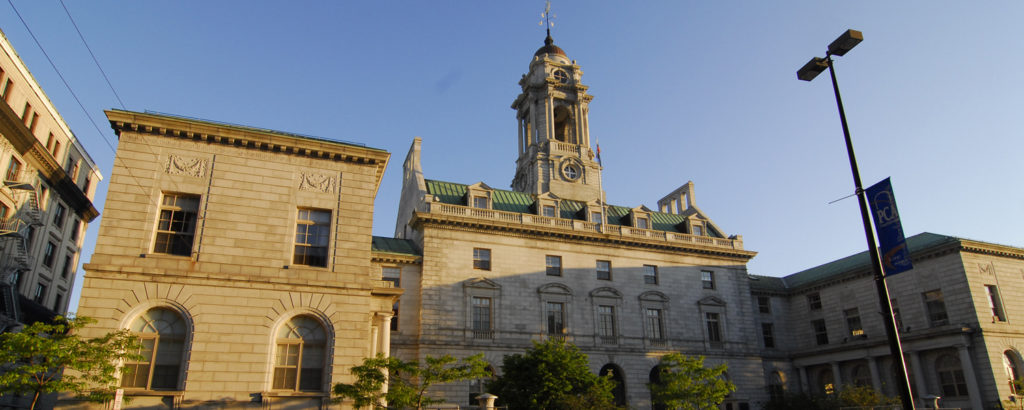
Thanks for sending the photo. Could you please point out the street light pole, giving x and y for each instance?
(844, 43)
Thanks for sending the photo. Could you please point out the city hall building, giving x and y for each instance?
(244, 260)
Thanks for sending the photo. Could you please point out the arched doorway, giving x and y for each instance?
(655, 379)
(617, 376)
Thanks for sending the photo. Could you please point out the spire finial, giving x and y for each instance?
(547, 16)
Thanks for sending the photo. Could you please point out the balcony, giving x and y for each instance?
(573, 225)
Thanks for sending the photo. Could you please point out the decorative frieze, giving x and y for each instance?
(187, 166)
(309, 181)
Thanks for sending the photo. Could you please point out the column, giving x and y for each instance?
(967, 365)
(384, 319)
(920, 389)
(804, 385)
(837, 377)
(876, 380)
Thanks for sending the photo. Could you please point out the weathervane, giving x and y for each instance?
(546, 17)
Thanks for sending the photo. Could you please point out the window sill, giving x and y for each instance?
(172, 256)
(289, 393)
(128, 391)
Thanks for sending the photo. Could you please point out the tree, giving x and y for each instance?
(551, 375)
(684, 383)
(407, 381)
(847, 396)
(36, 356)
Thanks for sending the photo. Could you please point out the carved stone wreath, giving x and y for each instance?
(187, 166)
(309, 181)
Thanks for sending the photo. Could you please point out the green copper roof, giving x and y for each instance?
(512, 201)
(861, 260)
(394, 245)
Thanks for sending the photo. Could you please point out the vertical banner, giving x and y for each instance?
(894, 253)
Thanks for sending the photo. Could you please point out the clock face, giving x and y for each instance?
(561, 76)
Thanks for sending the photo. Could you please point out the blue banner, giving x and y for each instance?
(894, 253)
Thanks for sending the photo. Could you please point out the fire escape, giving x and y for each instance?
(15, 234)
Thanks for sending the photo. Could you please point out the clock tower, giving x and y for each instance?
(555, 154)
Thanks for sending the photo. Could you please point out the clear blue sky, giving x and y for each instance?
(684, 90)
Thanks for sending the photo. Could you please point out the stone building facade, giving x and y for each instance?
(242, 258)
(45, 200)
(959, 314)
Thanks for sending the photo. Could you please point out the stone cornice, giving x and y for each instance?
(390, 257)
(490, 226)
(992, 249)
(247, 138)
(26, 144)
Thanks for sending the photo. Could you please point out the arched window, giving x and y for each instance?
(655, 379)
(563, 125)
(617, 376)
(300, 356)
(776, 387)
(1012, 368)
(162, 332)
(951, 376)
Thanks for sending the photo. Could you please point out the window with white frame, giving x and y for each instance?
(300, 355)
(176, 225)
(162, 334)
(312, 236)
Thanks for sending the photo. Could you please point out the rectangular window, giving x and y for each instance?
(57, 303)
(698, 230)
(5, 93)
(650, 274)
(56, 149)
(312, 235)
(768, 334)
(49, 254)
(655, 325)
(481, 259)
(33, 121)
(604, 270)
(936, 307)
(49, 142)
(814, 301)
(58, 215)
(896, 314)
(853, 322)
(76, 229)
(707, 279)
(764, 304)
(177, 224)
(555, 312)
(714, 325)
(480, 202)
(642, 223)
(993, 303)
(606, 321)
(3, 212)
(40, 293)
(481, 314)
(820, 332)
(13, 169)
(25, 112)
(553, 265)
(69, 266)
(595, 217)
(549, 211)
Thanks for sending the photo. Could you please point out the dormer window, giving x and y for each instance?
(548, 211)
(698, 230)
(480, 202)
(561, 76)
(595, 217)
(642, 223)
(478, 196)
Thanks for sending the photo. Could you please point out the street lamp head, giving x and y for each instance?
(846, 42)
(812, 69)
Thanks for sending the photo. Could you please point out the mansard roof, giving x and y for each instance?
(918, 245)
(520, 202)
(394, 245)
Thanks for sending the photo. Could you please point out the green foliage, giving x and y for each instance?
(407, 381)
(848, 396)
(686, 384)
(36, 356)
(551, 375)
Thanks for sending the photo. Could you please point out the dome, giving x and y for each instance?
(550, 48)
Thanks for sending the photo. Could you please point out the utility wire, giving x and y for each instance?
(72, 92)
(91, 54)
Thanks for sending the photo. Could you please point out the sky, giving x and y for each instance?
(702, 91)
